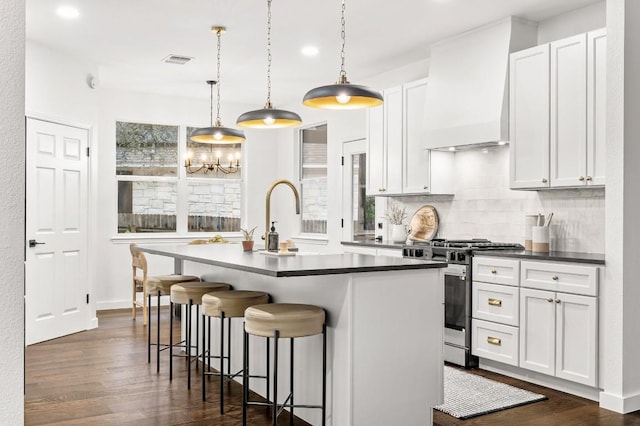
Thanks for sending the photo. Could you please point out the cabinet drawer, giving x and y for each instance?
(496, 270)
(495, 341)
(498, 303)
(563, 277)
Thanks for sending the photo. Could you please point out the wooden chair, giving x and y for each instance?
(141, 281)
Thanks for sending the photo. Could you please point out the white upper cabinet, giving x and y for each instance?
(557, 94)
(596, 105)
(397, 162)
(529, 116)
(568, 111)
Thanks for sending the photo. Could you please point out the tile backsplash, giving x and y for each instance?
(484, 207)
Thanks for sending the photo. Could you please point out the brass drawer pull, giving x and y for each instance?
(581, 178)
(494, 341)
(589, 178)
(544, 180)
(493, 271)
(557, 300)
(554, 277)
(550, 300)
(495, 302)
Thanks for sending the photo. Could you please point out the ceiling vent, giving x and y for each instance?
(177, 59)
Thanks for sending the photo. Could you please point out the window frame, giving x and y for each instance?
(182, 181)
(299, 152)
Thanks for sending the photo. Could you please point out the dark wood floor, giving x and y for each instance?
(101, 377)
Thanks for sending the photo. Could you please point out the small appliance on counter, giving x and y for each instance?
(457, 289)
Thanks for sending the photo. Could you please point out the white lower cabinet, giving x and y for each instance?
(558, 334)
(538, 315)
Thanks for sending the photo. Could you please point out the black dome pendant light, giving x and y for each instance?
(217, 133)
(342, 94)
(268, 117)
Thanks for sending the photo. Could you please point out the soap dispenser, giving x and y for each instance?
(272, 238)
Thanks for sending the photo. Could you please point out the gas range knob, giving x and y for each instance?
(419, 253)
(461, 257)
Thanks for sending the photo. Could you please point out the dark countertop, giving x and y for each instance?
(374, 244)
(561, 256)
(232, 256)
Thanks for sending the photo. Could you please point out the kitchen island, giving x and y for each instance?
(384, 318)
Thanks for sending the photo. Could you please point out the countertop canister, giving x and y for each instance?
(531, 220)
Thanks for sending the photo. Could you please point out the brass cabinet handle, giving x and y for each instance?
(494, 302)
(557, 300)
(493, 271)
(581, 178)
(589, 178)
(554, 277)
(550, 300)
(544, 180)
(494, 341)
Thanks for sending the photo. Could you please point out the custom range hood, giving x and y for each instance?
(467, 99)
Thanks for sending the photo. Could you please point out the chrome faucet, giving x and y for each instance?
(268, 206)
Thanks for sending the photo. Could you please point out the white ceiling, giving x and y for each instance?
(129, 38)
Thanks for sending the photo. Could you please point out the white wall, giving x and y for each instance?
(12, 137)
(620, 346)
(574, 22)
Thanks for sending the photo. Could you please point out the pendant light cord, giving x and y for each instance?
(268, 104)
(343, 73)
(211, 83)
(218, 120)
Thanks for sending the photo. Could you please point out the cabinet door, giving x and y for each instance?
(576, 338)
(537, 330)
(568, 112)
(529, 118)
(393, 139)
(596, 106)
(376, 167)
(415, 156)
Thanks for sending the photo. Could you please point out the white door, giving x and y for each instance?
(354, 199)
(393, 139)
(596, 106)
(56, 284)
(376, 162)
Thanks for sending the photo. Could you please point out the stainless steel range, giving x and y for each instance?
(457, 289)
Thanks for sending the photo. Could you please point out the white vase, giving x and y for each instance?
(398, 234)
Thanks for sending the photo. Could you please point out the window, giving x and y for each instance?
(150, 188)
(313, 178)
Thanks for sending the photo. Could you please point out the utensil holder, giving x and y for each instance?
(530, 220)
(540, 239)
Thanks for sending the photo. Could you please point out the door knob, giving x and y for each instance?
(33, 243)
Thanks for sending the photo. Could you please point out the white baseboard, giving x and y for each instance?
(125, 304)
(619, 404)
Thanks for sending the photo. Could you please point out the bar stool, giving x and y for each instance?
(226, 304)
(161, 286)
(189, 294)
(283, 320)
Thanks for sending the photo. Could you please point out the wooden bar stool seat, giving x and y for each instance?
(283, 320)
(225, 304)
(189, 294)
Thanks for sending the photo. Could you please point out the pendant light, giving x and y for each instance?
(269, 117)
(342, 94)
(217, 133)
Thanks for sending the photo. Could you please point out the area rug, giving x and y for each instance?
(467, 395)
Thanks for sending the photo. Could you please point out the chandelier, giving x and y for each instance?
(213, 163)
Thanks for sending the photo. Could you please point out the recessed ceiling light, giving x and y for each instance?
(502, 143)
(309, 51)
(452, 148)
(67, 12)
